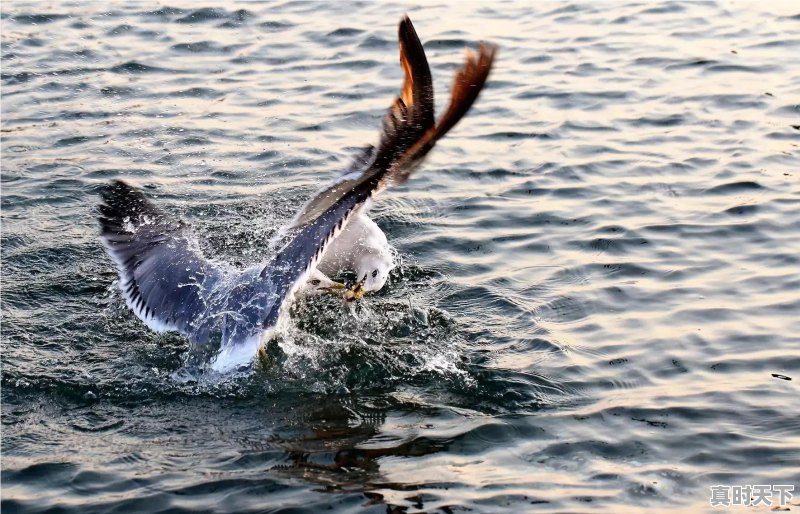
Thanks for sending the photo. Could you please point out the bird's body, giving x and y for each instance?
(363, 249)
(361, 238)
(171, 286)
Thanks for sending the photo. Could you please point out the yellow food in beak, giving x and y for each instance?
(356, 292)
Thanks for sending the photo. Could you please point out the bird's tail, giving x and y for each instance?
(409, 129)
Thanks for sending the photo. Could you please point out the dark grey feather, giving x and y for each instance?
(168, 283)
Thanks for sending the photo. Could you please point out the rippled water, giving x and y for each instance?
(597, 303)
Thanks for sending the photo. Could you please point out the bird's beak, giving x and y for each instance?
(356, 292)
(335, 288)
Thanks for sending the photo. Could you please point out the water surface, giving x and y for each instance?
(596, 307)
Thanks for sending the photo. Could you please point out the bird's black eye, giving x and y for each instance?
(374, 273)
(315, 282)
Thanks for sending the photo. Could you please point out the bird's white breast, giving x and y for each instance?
(361, 236)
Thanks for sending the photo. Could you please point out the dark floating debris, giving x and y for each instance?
(782, 377)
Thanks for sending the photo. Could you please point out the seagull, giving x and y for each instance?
(168, 283)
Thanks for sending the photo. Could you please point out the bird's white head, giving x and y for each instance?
(372, 272)
(318, 283)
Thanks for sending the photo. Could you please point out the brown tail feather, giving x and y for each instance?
(411, 114)
(417, 91)
(467, 84)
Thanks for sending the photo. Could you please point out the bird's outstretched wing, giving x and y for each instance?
(169, 285)
(409, 128)
(164, 279)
